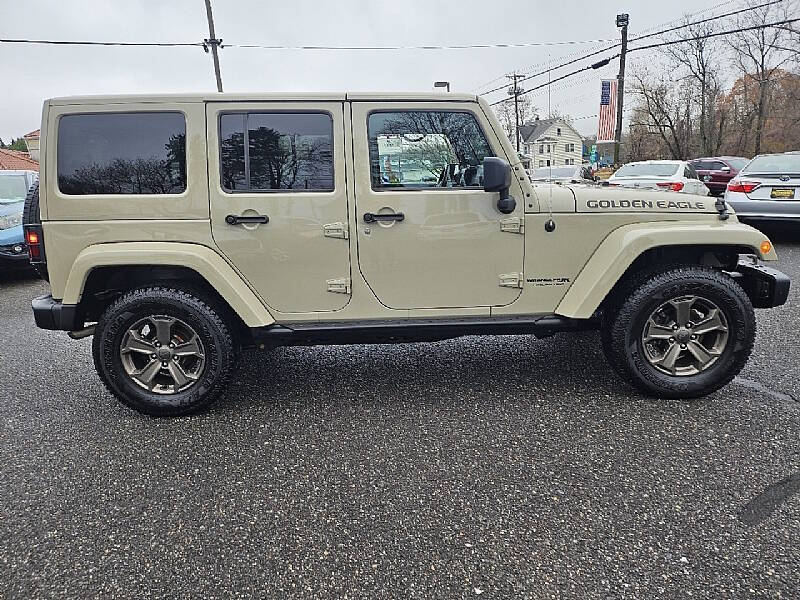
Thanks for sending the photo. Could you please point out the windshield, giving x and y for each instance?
(13, 188)
(779, 164)
(737, 163)
(647, 170)
(554, 172)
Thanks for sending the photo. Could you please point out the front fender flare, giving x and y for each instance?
(201, 259)
(623, 245)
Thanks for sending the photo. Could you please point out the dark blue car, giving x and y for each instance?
(14, 186)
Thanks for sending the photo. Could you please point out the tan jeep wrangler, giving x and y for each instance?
(182, 229)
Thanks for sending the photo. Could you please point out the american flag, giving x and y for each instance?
(607, 121)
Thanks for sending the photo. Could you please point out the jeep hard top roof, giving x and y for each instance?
(269, 96)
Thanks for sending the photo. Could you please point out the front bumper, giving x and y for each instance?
(52, 314)
(766, 287)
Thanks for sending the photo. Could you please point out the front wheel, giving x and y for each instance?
(163, 351)
(684, 333)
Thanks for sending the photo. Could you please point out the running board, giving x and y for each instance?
(413, 330)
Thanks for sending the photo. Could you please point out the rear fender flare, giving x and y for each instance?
(201, 259)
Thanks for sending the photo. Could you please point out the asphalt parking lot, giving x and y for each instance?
(501, 467)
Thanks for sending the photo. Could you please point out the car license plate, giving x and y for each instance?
(782, 193)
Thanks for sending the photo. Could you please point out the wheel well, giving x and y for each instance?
(720, 257)
(105, 284)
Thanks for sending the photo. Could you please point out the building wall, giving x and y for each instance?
(33, 147)
(558, 153)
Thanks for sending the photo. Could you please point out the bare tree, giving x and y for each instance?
(505, 113)
(759, 55)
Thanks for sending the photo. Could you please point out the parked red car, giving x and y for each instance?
(717, 171)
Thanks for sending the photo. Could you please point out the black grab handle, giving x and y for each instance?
(372, 217)
(238, 219)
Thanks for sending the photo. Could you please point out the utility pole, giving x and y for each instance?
(622, 22)
(214, 43)
(516, 92)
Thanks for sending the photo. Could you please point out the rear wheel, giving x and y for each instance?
(163, 351)
(684, 333)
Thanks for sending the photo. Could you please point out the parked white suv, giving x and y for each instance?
(672, 175)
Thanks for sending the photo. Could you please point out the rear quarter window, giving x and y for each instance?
(122, 153)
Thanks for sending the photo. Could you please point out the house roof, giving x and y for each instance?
(533, 130)
(14, 160)
(32, 134)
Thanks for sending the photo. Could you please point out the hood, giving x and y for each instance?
(618, 199)
(12, 208)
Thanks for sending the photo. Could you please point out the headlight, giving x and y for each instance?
(9, 221)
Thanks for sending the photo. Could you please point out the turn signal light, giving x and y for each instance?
(742, 186)
(32, 237)
(766, 246)
(675, 186)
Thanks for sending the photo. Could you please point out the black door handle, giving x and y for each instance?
(372, 217)
(238, 219)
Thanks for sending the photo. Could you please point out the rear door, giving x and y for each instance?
(278, 199)
(447, 245)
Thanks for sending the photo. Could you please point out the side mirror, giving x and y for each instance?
(497, 178)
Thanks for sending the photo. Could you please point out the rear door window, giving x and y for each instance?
(269, 151)
(122, 153)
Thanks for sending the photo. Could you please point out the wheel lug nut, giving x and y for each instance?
(152, 356)
(688, 326)
(683, 345)
(674, 327)
(163, 364)
(694, 337)
(171, 345)
(671, 339)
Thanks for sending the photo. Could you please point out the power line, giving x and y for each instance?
(86, 43)
(715, 34)
(307, 47)
(651, 46)
(661, 32)
(646, 31)
(700, 22)
(422, 47)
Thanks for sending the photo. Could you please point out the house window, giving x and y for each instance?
(558, 131)
(548, 148)
(541, 148)
(548, 163)
(541, 163)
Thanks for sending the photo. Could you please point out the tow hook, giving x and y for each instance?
(81, 333)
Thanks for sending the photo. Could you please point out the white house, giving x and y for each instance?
(551, 142)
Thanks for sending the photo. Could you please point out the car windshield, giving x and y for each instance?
(647, 170)
(737, 163)
(554, 172)
(13, 188)
(777, 164)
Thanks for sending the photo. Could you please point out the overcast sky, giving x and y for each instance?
(31, 73)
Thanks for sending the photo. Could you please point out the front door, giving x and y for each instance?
(279, 201)
(428, 235)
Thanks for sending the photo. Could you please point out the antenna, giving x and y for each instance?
(550, 224)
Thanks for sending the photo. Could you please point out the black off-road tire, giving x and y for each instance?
(31, 216)
(625, 318)
(202, 316)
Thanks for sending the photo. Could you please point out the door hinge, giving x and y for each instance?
(339, 286)
(336, 230)
(511, 280)
(512, 225)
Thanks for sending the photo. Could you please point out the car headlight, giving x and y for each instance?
(9, 221)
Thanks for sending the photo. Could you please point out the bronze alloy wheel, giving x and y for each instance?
(162, 354)
(685, 336)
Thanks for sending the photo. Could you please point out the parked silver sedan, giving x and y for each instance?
(767, 189)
